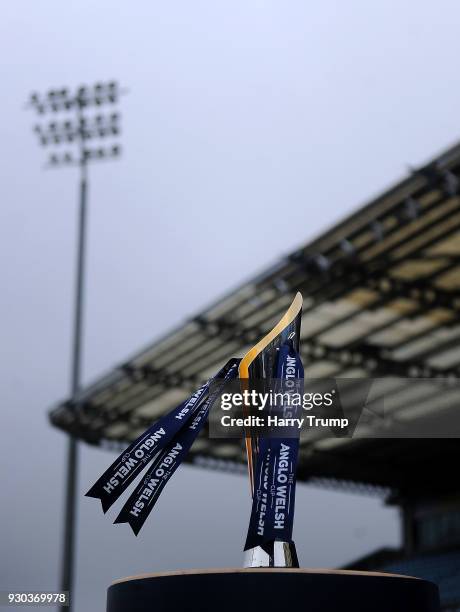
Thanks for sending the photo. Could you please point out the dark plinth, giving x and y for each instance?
(268, 590)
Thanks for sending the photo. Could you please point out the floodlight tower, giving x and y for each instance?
(74, 136)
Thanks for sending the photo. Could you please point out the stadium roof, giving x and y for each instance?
(381, 298)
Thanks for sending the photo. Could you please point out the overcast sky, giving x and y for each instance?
(249, 127)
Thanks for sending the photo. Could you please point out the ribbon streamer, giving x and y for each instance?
(117, 478)
(144, 498)
(272, 513)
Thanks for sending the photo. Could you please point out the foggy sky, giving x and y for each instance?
(249, 128)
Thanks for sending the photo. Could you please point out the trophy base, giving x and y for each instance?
(278, 554)
(272, 590)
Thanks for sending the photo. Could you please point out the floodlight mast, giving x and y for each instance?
(80, 125)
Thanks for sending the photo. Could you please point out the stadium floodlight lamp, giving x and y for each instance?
(85, 126)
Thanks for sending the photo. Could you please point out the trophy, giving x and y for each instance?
(265, 361)
(271, 578)
(163, 446)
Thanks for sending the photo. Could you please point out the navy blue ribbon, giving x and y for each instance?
(117, 478)
(272, 514)
(144, 498)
